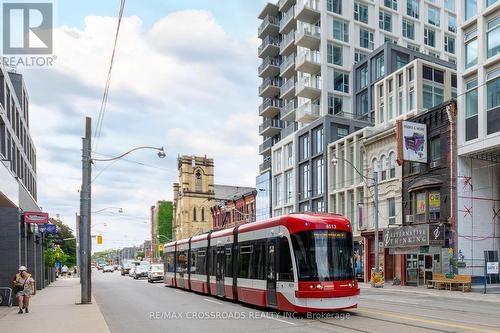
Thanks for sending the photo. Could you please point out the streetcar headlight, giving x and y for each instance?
(319, 286)
(311, 286)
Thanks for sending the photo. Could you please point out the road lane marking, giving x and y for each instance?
(212, 301)
(179, 292)
(283, 321)
(433, 322)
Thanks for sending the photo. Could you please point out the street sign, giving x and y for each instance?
(492, 267)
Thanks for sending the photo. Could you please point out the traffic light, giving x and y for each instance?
(99, 239)
(160, 247)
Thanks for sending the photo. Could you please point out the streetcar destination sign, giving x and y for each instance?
(414, 235)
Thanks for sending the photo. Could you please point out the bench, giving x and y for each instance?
(440, 281)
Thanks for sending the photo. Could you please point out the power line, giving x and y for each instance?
(104, 100)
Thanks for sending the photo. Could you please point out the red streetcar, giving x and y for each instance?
(297, 262)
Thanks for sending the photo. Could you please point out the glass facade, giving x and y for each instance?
(263, 199)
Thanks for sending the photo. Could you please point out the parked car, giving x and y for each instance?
(155, 273)
(131, 272)
(108, 268)
(141, 270)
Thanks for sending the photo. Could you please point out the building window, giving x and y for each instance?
(277, 160)
(203, 214)
(449, 4)
(288, 186)
(391, 210)
(198, 182)
(334, 6)
(429, 37)
(411, 98)
(379, 67)
(408, 29)
(400, 102)
(375, 168)
(383, 167)
(319, 176)
(194, 214)
(470, 8)
(334, 54)
(471, 49)
(385, 21)
(433, 16)
(361, 12)
(493, 101)
(278, 191)
(490, 2)
(471, 108)
(366, 39)
(432, 96)
(393, 4)
(363, 104)
(318, 135)
(358, 56)
(413, 47)
(434, 205)
(304, 147)
(341, 82)
(412, 8)
(342, 132)
(381, 113)
(392, 165)
(449, 44)
(341, 31)
(289, 155)
(420, 206)
(435, 149)
(493, 37)
(452, 23)
(363, 77)
(304, 181)
(334, 104)
(390, 108)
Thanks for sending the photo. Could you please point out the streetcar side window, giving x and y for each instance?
(251, 260)
(285, 261)
(244, 261)
(228, 271)
(169, 262)
(198, 261)
(212, 261)
(182, 262)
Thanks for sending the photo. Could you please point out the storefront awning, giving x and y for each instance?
(425, 183)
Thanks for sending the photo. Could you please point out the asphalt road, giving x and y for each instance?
(130, 305)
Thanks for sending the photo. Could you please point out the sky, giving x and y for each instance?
(184, 77)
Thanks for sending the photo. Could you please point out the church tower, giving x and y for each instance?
(193, 196)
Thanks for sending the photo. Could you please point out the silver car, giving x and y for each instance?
(155, 273)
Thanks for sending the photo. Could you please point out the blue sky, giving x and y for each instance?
(185, 77)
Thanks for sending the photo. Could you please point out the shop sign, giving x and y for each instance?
(436, 234)
(414, 235)
(420, 203)
(414, 142)
(36, 218)
(434, 201)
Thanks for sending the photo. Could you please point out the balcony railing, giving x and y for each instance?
(308, 30)
(269, 82)
(269, 61)
(309, 56)
(289, 84)
(275, 123)
(289, 130)
(270, 102)
(268, 143)
(289, 61)
(309, 82)
(265, 165)
(289, 38)
(269, 41)
(268, 20)
(287, 17)
(308, 112)
(308, 4)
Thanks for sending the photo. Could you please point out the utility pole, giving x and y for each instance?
(85, 204)
(375, 203)
(78, 237)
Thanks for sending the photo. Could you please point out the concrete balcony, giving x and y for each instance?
(309, 87)
(266, 165)
(287, 90)
(288, 21)
(270, 47)
(288, 111)
(270, 127)
(308, 62)
(270, 9)
(268, 27)
(287, 45)
(269, 67)
(308, 36)
(287, 67)
(308, 11)
(270, 107)
(290, 129)
(283, 5)
(269, 88)
(308, 112)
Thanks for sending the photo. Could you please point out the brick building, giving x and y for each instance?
(234, 210)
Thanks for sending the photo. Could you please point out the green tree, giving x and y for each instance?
(53, 255)
(165, 218)
(69, 246)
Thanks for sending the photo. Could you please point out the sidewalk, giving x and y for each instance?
(473, 296)
(54, 310)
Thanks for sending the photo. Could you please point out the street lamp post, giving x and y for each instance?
(374, 178)
(85, 207)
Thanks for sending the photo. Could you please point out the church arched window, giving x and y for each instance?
(194, 214)
(198, 183)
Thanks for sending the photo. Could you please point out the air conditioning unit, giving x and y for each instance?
(434, 164)
(409, 218)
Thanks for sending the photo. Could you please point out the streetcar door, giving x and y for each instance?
(219, 274)
(271, 272)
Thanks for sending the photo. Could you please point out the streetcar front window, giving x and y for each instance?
(323, 255)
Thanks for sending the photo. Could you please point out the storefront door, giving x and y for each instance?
(411, 270)
(424, 268)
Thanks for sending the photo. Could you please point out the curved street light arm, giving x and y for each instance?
(161, 154)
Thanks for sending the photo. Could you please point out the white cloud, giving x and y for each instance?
(185, 83)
